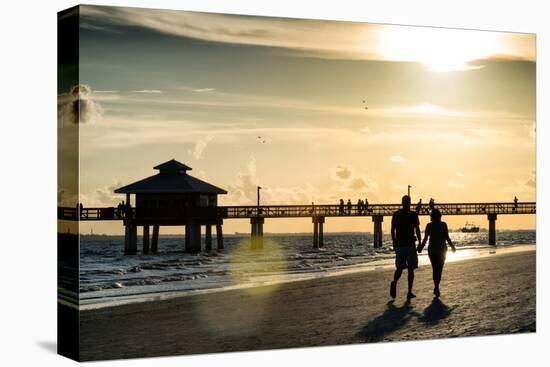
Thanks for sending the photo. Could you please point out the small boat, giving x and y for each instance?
(469, 228)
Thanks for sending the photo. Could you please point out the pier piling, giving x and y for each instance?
(219, 235)
(318, 235)
(377, 232)
(321, 234)
(315, 233)
(257, 233)
(492, 229)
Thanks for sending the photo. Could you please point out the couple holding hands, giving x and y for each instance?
(405, 225)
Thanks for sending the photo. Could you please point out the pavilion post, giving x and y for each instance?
(155, 239)
(145, 239)
(208, 238)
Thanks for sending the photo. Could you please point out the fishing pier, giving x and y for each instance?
(174, 198)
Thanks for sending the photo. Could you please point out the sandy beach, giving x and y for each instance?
(483, 296)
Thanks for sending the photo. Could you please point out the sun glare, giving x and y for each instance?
(440, 50)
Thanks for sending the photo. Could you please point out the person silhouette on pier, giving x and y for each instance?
(438, 233)
(432, 204)
(359, 206)
(404, 224)
(341, 206)
(515, 202)
(349, 206)
(366, 205)
(120, 209)
(419, 206)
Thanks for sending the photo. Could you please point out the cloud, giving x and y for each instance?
(204, 90)
(532, 182)
(358, 184)
(103, 196)
(77, 106)
(148, 91)
(341, 172)
(398, 159)
(244, 190)
(459, 174)
(106, 195)
(200, 146)
(455, 185)
(327, 39)
(349, 182)
(526, 185)
(364, 130)
(398, 187)
(66, 198)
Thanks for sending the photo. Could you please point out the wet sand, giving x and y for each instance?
(484, 296)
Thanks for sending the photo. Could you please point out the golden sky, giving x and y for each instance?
(450, 112)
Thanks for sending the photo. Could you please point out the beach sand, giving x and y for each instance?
(483, 296)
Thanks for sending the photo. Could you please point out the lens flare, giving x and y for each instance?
(257, 271)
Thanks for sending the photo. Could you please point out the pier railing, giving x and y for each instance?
(300, 211)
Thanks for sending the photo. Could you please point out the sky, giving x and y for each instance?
(312, 111)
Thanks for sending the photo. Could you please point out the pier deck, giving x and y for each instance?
(194, 218)
(322, 210)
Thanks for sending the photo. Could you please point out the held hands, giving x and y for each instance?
(453, 249)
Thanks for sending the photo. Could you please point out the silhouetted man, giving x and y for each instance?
(404, 224)
(349, 206)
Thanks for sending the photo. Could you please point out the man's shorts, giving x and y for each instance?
(406, 258)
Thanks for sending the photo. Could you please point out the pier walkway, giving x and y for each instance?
(322, 210)
(192, 217)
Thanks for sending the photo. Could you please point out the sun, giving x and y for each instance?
(440, 50)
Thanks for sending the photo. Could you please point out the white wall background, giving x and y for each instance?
(28, 181)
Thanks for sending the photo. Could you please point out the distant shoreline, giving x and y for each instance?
(276, 234)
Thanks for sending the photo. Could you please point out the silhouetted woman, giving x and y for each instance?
(438, 233)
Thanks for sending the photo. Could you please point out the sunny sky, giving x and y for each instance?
(280, 103)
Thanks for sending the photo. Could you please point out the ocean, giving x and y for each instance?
(107, 276)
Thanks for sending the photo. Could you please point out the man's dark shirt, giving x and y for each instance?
(405, 222)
